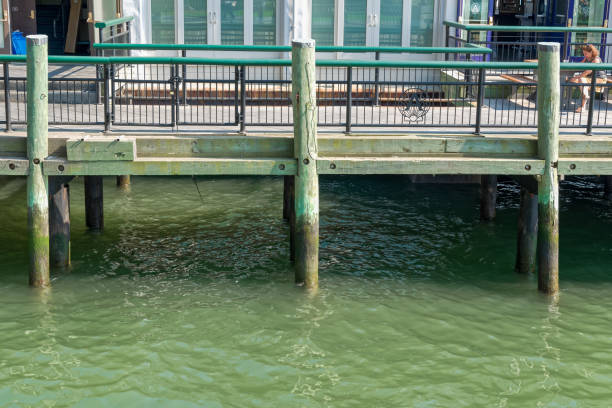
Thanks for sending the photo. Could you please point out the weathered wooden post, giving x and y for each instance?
(305, 150)
(488, 197)
(526, 246)
(548, 150)
(94, 203)
(37, 145)
(59, 221)
(123, 181)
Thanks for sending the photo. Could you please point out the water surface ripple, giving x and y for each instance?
(189, 302)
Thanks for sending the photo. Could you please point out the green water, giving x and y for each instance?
(184, 303)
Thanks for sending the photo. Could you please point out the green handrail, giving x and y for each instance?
(475, 49)
(114, 22)
(68, 59)
(546, 29)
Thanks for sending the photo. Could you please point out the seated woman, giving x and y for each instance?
(591, 55)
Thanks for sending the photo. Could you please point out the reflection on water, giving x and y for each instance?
(188, 302)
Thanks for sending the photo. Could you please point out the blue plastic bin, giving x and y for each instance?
(19, 43)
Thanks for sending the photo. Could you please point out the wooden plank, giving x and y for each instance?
(101, 149)
(584, 166)
(492, 146)
(172, 167)
(429, 165)
(13, 166)
(73, 26)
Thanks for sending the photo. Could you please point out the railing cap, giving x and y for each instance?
(113, 22)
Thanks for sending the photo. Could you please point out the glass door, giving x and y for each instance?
(5, 41)
(589, 13)
(361, 22)
(230, 22)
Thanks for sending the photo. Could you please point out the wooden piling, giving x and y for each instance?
(526, 246)
(123, 181)
(488, 197)
(37, 146)
(59, 221)
(548, 150)
(305, 151)
(94, 203)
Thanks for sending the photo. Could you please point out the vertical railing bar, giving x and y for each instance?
(349, 97)
(107, 117)
(589, 130)
(7, 98)
(242, 98)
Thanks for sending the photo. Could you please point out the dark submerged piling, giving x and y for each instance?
(527, 242)
(94, 203)
(123, 181)
(37, 146)
(488, 197)
(305, 150)
(607, 187)
(548, 150)
(59, 221)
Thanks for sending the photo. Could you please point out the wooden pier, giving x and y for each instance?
(51, 159)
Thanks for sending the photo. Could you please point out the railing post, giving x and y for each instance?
(7, 97)
(349, 97)
(376, 79)
(565, 45)
(107, 111)
(173, 95)
(589, 130)
(184, 77)
(37, 146)
(236, 96)
(242, 113)
(305, 150)
(548, 150)
(479, 102)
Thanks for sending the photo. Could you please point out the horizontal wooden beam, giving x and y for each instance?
(13, 166)
(172, 167)
(429, 165)
(580, 166)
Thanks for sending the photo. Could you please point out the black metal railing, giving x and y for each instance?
(188, 92)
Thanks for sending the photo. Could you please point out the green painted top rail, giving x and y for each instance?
(475, 49)
(113, 22)
(544, 29)
(84, 60)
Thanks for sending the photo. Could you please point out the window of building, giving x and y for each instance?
(588, 13)
(195, 22)
(355, 22)
(421, 23)
(391, 23)
(264, 22)
(162, 21)
(323, 22)
(232, 22)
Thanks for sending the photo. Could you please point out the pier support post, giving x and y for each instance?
(548, 150)
(527, 242)
(287, 186)
(488, 197)
(607, 187)
(305, 151)
(123, 181)
(94, 203)
(59, 221)
(37, 146)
